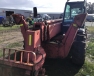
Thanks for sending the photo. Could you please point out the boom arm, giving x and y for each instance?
(61, 48)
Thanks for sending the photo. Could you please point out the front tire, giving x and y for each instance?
(78, 52)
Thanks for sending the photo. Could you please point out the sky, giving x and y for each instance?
(42, 5)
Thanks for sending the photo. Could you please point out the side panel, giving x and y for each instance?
(53, 30)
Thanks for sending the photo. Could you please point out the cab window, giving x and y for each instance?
(71, 11)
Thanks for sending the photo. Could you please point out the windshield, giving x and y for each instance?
(72, 10)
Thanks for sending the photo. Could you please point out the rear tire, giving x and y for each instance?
(78, 52)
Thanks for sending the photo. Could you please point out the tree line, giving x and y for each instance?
(90, 8)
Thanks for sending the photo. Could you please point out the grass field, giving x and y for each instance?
(65, 67)
(9, 28)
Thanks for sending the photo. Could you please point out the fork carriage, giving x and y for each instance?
(14, 58)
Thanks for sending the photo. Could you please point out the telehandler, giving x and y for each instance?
(47, 39)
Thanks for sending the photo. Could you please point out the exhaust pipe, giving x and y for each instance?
(34, 12)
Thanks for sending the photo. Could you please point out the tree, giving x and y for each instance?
(90, 8)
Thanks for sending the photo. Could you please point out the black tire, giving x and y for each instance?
(78, 52)
(80, 37)
(34, 73)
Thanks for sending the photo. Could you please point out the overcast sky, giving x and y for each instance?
(43, 5)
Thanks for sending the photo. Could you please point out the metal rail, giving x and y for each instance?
(14, 62)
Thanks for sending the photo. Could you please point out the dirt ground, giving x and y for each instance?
(10, 37)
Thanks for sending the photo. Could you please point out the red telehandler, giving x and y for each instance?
(48, 39)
